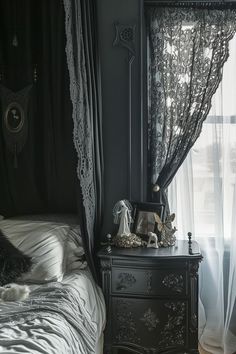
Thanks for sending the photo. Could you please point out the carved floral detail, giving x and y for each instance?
(194, 323)
(194, 269)
(173, 332)
(174, 282)
(126, 327)
(127, 34)
(149, 281)
(150, 320)
(106, 264)
(125, 280)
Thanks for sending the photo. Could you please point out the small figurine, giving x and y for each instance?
(122, 215)
(152, 240)
(167, 232)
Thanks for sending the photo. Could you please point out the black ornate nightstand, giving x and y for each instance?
(152, 299)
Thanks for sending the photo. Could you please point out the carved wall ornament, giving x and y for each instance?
(150, 320)
(125, 280)
(174, 282)
(125, 37)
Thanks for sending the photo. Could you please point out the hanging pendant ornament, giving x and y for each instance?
(15, 41)
(15, 119)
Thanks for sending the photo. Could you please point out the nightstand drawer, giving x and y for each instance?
(150, 323)
(149, 282)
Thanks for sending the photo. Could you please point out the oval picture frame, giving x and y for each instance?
(14, 117)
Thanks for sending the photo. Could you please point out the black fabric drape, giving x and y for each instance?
(45, 180)
(92, 62)
(85, 91)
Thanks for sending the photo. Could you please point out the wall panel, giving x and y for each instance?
(122, 104)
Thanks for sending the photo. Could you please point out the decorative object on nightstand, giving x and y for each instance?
(122, 216)
(145, 218)
(167, 232)
(151, 298)
(149, 228)
(109, 243)
(190, 243)
(149, 219)
(152, 240)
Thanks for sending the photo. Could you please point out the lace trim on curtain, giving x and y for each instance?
(187, 50)
(83, 132)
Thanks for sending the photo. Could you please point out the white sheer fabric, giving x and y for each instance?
(203, 195)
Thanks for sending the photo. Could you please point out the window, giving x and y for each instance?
(211, 164)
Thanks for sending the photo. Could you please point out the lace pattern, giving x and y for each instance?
(187, 50)
(83, 131)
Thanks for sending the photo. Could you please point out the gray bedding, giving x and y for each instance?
(60, 318)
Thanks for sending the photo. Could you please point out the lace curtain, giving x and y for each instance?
(203, 196)
(80, 26)
(187, 49)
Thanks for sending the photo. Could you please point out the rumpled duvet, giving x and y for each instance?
(60, 318)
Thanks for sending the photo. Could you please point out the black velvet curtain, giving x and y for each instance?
(45, 179)
(92, 64)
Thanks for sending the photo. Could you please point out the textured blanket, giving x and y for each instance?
(60, 318)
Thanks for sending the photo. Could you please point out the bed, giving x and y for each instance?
(65, 311)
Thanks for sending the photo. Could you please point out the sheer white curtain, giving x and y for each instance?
(203, 196)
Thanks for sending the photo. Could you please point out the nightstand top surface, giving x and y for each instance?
(179, 250)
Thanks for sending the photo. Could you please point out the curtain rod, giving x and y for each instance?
(222, 4)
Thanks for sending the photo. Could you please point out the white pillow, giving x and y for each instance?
(43, 242)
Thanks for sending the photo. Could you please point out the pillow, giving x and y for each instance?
(12, 261)
(43, 242)
(74, 250)
(70, 219)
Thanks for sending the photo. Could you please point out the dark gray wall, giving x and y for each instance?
(121, 101)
